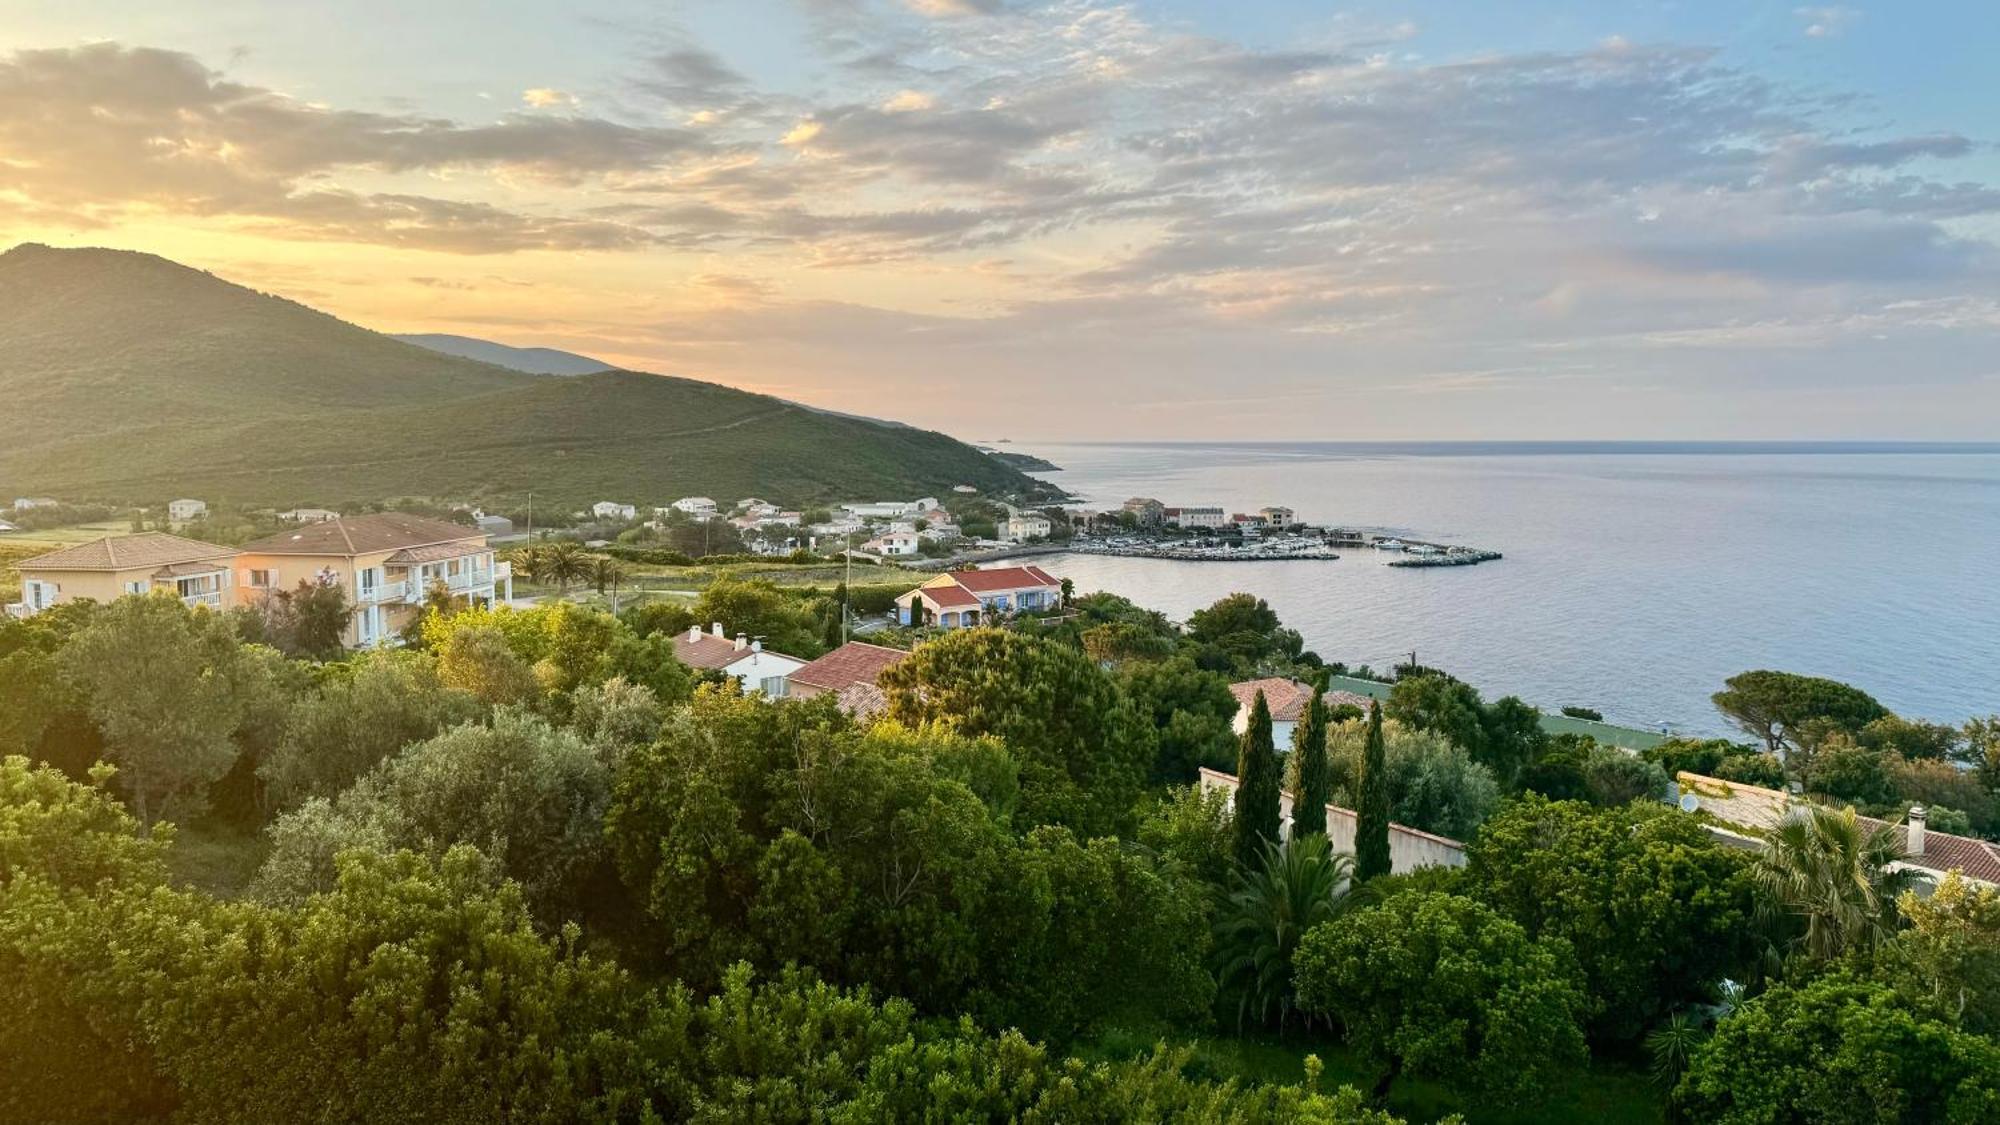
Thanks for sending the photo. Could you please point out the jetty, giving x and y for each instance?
(1188, 552)
(1449, 556)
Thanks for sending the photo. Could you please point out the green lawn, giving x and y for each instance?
(1603, 1093)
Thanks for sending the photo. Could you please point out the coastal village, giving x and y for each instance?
(391, 567)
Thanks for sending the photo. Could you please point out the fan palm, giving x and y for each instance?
(1831, 871)
(605, 575)
(564, 563)
(529, 563)
(1298, 885)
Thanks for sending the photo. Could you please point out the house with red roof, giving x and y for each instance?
(963, 598)
(1742, 814)
(850, 673)
(1287, 701)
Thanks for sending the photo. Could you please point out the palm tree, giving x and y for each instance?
(562, 564)
(1299, 884)
(530, 563)
(605, 574)
(1826, 868)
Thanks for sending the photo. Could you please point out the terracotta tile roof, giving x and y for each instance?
(128, 552)
(708, 651)
(854, 663)
(1003, 578)
(361, 535)
(1751, 806)
(1287, 699)
(436, 552)
(187, 569)
(1334, 699)
(948, 597)
(863, 701)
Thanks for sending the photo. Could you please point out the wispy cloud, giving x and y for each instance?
(1825, 23)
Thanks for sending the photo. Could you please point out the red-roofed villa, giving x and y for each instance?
(963, 597)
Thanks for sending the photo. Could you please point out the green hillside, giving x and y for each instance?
(129, 378)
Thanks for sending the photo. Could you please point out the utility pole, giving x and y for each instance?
(846, 584)
(531, 518)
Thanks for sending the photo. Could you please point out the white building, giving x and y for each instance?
(892, 544)
(694, 506)
(891, 509)
(24, 503)
(743, 660)
(309, 515)
(1197, 517)
(181, 511)
(1026, 525)
(613, 510)
(1278, 516)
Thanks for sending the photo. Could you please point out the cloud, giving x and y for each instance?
(112, 128)
(908, 101)
(1825, 23)
(1170, 205)
(542, 97)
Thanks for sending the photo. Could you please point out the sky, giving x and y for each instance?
(1165, 219)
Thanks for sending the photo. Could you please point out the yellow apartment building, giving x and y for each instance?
(385, 562)
(107, 569)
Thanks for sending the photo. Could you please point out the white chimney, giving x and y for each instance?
(716, 628)
(694, 633)
(742, 642)
(1917, 817)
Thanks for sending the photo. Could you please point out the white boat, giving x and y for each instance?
(1388, 544)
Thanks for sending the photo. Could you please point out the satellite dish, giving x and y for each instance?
(1690, 802)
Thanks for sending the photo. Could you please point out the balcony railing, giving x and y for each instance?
(471, 579)
(212, 599)
(384, 592)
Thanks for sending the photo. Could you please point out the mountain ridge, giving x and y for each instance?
(533, 360)
(139, 379)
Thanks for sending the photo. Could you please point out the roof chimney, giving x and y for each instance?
(742, 642)
(715, 627)
(1917, 817)
(694, 633)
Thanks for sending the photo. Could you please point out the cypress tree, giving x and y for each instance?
(1257, 807)
(1310, 780)
(1371, 829)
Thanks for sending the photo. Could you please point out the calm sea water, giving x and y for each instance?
(1637, 576)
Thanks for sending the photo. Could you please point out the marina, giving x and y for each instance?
(1306, 544)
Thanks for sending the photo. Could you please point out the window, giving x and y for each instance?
(136, 587)
(38, 594)
(369, 580)
(261, 579)
(773, 686)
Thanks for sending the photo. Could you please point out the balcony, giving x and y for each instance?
(470, 580)
(383, 592)
(212, 599)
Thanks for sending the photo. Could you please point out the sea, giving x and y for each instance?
(1636, 577)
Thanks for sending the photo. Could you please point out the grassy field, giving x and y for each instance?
(645, 583)
(1602, 1093)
